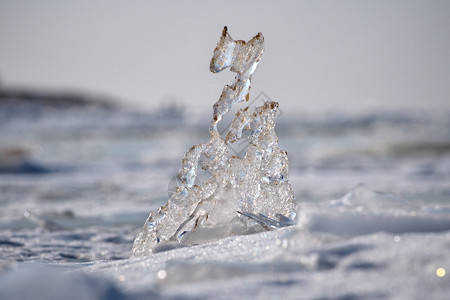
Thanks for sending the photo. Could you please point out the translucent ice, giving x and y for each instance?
(242, 195)
(242, 58)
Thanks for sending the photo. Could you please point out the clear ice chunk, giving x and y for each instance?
(243, 195)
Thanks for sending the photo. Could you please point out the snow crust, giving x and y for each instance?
(390, 252)
(382, 257)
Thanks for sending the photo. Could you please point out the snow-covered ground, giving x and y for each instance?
(373, 222)
(290, 263)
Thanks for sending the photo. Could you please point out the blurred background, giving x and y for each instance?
(320, 55)
(99, 100)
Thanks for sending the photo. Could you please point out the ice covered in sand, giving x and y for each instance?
(243, 195)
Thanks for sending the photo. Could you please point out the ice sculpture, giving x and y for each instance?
(243, 195)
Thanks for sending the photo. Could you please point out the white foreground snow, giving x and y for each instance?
(368, 246)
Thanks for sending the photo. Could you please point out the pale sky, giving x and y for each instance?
(320, 55)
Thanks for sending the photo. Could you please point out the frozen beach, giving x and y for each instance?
(129, 171)
(77, 184)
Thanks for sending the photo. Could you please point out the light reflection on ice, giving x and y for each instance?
(440, 272)
(242, 195)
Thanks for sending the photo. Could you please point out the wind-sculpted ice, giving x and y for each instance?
(242, 58)
(242, 195)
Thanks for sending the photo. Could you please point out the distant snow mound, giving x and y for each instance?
(363, 211)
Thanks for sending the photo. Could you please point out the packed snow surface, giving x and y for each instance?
(366, 248)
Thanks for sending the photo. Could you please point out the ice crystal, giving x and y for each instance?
(243, 195)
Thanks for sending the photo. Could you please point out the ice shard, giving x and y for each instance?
(242, 195)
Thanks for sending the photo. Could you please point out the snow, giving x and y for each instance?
(386, 255)
(383, 256)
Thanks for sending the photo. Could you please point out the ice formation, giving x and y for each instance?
(242, 195)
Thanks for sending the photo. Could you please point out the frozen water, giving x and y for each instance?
(71, 227)
(363, 245)
(243, 195)
(242, 58)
